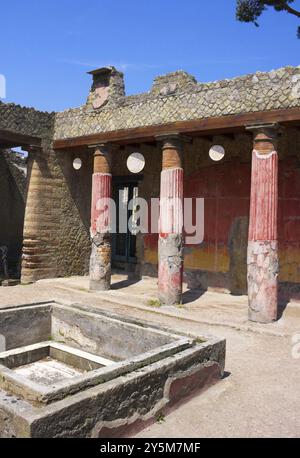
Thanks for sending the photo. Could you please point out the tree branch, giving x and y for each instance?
(291, 10)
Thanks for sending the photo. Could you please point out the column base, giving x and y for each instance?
(100, 263)
(263, 268)
(98, 285)
(170, 247)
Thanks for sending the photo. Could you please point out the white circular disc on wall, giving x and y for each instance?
(135, 162)
(77, 163)
(217, 152)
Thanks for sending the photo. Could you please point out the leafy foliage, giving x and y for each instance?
(251, 10)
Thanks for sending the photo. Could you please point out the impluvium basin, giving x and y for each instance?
(70, 370)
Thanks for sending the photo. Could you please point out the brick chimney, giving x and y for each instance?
(108, 87)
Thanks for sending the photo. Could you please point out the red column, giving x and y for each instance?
(262, 260)
(100, 261)
(170, 245)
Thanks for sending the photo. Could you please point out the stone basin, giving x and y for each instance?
(71, 370)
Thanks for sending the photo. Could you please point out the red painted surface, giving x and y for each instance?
(226, 190)
(186, 386)
(170, 266)
(101, 192)
(289, 203)
(169, 280)
(176, 392)
(263, 247)
(171, 201)
(264, 197)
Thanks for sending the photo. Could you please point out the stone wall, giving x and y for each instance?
(55, 240)
(75, 210)
(56, 230)
(177, 97)
(12, 207)
(25, 121)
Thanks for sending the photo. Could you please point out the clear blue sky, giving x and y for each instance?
(47, 46)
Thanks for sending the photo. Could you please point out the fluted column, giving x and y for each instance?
(170, 244)
(100, 261)
(262, 259)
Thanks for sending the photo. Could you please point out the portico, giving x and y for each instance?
(250, 195)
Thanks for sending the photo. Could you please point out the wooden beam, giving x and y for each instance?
(7, 145)
(14, 139)
(208, 126)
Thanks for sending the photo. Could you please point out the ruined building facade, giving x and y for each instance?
(251, 196)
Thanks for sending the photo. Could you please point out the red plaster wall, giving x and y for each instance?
(289, 224)
(221, 258)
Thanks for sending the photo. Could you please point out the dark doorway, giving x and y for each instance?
(124, 240)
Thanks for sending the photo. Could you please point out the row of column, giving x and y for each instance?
(262, 245)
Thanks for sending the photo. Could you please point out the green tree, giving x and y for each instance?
(251, 10)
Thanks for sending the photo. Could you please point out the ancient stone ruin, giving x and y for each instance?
(46, 375)
(235, 144)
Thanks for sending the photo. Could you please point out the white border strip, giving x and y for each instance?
(264, 156)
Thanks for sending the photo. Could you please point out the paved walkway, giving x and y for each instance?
(259, 395)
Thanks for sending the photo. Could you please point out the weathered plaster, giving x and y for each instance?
(263, 271)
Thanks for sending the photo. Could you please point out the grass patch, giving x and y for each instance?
(199, 340)
(180, 306)
(154, 303)
(160, 419)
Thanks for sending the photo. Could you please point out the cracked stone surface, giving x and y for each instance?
(263, 269)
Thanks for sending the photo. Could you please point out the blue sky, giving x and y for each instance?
(47, 46)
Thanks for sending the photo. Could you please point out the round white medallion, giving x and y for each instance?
(217, 152)
(77, 163)
(135, 162)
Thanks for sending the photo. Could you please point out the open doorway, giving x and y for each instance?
(124, 239)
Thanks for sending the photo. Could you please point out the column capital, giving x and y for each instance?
(265, 136)
(175, 139)
(102, 157)
(172, 149)
(104, 147)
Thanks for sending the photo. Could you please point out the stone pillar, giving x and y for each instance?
(37, 259)
(100, 261)
(170, 244)
(262, 243)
